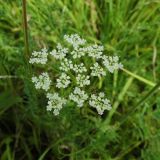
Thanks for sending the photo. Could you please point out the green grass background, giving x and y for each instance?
(131, 130)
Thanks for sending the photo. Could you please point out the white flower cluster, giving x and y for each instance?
(78, 53)
(100, 102)
(39, 57)
(97, 70)
(112, 63)
(55, 103)
(79, 68)
(63, 81)
(42, 81)
(79, 65)
(82, 80)
(95, 51)
(66, 65)
(60, 53)
(78, 96)
(74, 40)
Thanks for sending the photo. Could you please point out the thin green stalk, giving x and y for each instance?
(25, 28)
(119, 99)
(135, 145)
(128, 150)
(115, 78)
(7, 76)
(150, 93)
(139, 77)
(26, 40)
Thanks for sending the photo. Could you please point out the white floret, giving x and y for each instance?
(42, 81)
(78, 96)
(100, 102)
(112, 63)
(82, 80)
(63, 81)
(95, 51)
(39, 57)
(66, 65)
(97, 70)
(60, 52)
(55, 103)
(79, 68)
(74, 40)
(78, 53)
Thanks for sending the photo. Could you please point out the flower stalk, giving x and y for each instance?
(25, 28)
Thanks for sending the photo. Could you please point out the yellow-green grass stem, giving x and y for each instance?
(150, 83)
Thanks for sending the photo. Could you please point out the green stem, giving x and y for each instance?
(135, 145)
(7, 76)
(150, 93)
(25, 28)
(115, 78)
(119, 99)
(128, 150)
(139, 77)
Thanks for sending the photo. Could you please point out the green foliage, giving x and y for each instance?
(129, 28)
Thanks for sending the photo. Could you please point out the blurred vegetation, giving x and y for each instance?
(128, 28)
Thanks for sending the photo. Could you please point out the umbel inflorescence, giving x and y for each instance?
(71, 73)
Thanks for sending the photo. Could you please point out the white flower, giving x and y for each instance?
(112, 63)
(66, 65)
(78, 96)
(100, 102)
(79, 63)
(79, 68)
(60, 53)
(42, 81)
(78, 53)
(97, 70)
(55, 102)
(39, 57)
(63, 81)
(74, 40)
(95, 51)
(82, 80)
